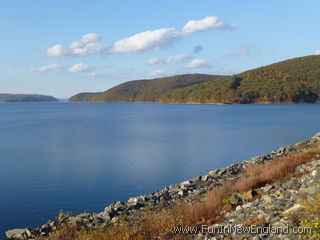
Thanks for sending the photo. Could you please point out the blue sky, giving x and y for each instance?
(62, 48)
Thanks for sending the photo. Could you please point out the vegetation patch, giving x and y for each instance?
(312, 219)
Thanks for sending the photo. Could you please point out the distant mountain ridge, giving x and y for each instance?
(295, 80)
(6, 97)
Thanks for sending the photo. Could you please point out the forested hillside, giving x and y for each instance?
(144, 90)
(294, 80)
(83, 97)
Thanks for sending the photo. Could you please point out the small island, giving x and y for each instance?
(6, 97)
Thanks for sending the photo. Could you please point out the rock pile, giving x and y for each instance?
(279, 205)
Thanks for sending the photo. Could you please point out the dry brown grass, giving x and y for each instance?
(149, 225)
(261, 174)
(159, 224)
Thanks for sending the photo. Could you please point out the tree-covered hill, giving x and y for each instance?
(145, 90)
(5, 97)
(83, 97)
(294, 80)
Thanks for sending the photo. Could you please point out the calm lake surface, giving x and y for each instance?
(84, 156)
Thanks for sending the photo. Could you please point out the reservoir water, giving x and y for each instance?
(84, 156)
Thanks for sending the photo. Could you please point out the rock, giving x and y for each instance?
(214, 172)
(204, 178)
(18, 234)
(132, 200)
(267, 198)
(99, 220)
(185, 183)
(277, 192)
(239, 208)
(251, 194)
(236, 198)
(195, 179)
(312, 190)
(231, 220)
(181, 193)
(247, 205)
(273, 218)
(45, 229)
(297, 207)
(266, 188)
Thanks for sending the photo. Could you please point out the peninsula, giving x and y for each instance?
(5, 97)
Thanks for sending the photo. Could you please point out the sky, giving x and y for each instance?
(61, 48)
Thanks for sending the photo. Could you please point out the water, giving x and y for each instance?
(84, 156)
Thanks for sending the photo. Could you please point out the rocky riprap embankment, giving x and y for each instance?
(279, 205)
(187, 191)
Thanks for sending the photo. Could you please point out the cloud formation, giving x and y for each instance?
(80, 67)
(317, 52)
(158, 72)
(177, 58)
(140, 42)
(47, 68)
(145, 41)
(170, 59)
(87, 45)
(198, 62)
(245, 50)
(153, 61)
(93, 74)
(212, 22)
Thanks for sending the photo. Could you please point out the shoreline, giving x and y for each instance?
(185, 191)
(198, 103)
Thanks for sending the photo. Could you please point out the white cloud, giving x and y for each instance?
(212, 22)
(170, 59)
(198, 62)
(80, 67)
(55, 51)
(47, 68)
(92, 74)
(153, 61)
(149, 40)
(177, 58)
(317, 52)
(240, 51)
(165, 37)
(140, 42)
(158, 72)
(88, 44)
(89, 37)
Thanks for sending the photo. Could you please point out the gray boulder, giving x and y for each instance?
(21, 234)
(236, 198)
